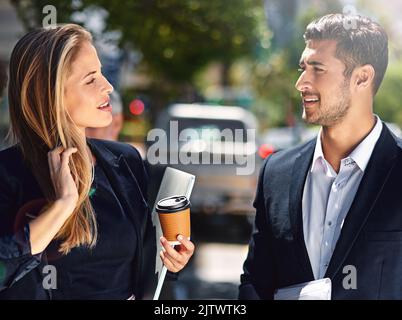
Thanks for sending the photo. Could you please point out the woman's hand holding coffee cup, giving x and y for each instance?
(176, 258)
(174, 216)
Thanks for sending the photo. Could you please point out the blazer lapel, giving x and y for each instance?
(299, 173)
(376, 174)
(127, 190)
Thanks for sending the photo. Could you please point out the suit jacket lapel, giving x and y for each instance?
(299, 173)
(376, 174)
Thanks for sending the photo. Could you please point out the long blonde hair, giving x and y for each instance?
(39, 66)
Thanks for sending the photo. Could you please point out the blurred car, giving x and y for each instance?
(216, 141)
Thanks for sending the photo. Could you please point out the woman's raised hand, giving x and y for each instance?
(63, 182)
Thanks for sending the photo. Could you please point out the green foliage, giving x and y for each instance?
(177, 38)
(388, 101)
(273, 82)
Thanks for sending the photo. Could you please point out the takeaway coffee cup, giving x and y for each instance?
(174, 216)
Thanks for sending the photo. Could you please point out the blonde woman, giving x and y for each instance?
(76, 204)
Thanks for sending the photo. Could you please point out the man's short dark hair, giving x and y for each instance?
(359, 40)
(3, 77)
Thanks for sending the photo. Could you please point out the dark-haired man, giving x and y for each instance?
(331, 208)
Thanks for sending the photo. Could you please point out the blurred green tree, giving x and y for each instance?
(388, 101)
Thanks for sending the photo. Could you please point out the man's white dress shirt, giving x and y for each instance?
(327, 198)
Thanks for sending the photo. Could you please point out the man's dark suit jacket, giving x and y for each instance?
(21, 274)
(370, 240)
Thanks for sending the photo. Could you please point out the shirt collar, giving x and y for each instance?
(361, 154)
(318, 158)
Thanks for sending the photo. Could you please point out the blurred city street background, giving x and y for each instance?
(188, 61)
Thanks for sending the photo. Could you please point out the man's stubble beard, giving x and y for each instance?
(333, 114)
